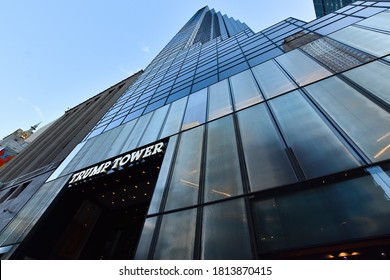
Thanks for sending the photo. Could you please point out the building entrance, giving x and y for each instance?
(98, 219)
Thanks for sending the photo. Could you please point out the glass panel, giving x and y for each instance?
(326, 22)
(225, 234)
(184, 186)
(271, 79)
(154, 126)
(244, 89)
(366, 40)
(297, 219)
(366, 123)
(369, 11)
(375, 77)
(222, 175)
(145, 239)
(65, 162)
(337, 25)
(316, 147)
(303, 69)
(121, 136)
(335, 55)
(219, 100)
(18, 228)
(133, 139)
(264, 56)
(196, 109)
(266, 160)
(163, 176)
(175, 116)
(177, 236)
(325, 214)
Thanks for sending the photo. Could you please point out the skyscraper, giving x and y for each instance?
(232, 145)
(324, 7)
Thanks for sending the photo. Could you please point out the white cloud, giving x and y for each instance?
(124, 70)
(145, 49)
(38, 111)
(21, 99)
(127, 71)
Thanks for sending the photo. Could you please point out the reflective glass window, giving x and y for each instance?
(175, 116)
(114, 123)
(163, 176)
(153, 106)
(337, 25)
(303, 69)
(222, 172)
(205, 81)
(366, 40)
(265, 154)
(184, 185)
(177, 236)
(281, 31)
(353, 10)
(369, 11)
(178, 93)
(133, 139)
(265, 56)
(145, 239)
(233, 69)
(196, 109)
(316, 147)
(219, 100)
(324, 214)
(225, 234)
(380, 21)
(375, 77)
(244, 90)
(326, 22)
(367, 124)
(153, 130)
(272, 79)
(133, 115)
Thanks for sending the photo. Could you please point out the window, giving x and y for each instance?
(177, 236)
(318, 150)
(302, 68)
(244, 90)
(272, 79)
(196, 109)
(225, 234)
(265, 157)
(184, 184)
(366, 123)
(222, 171)
(375, 77)
(219, 100)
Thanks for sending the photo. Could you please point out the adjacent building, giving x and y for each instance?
(21, 177)
(13, 144)
(324, 7)
(232, 144)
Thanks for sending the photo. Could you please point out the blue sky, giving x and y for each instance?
(55, 54)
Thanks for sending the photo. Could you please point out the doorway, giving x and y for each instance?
(98, 219)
